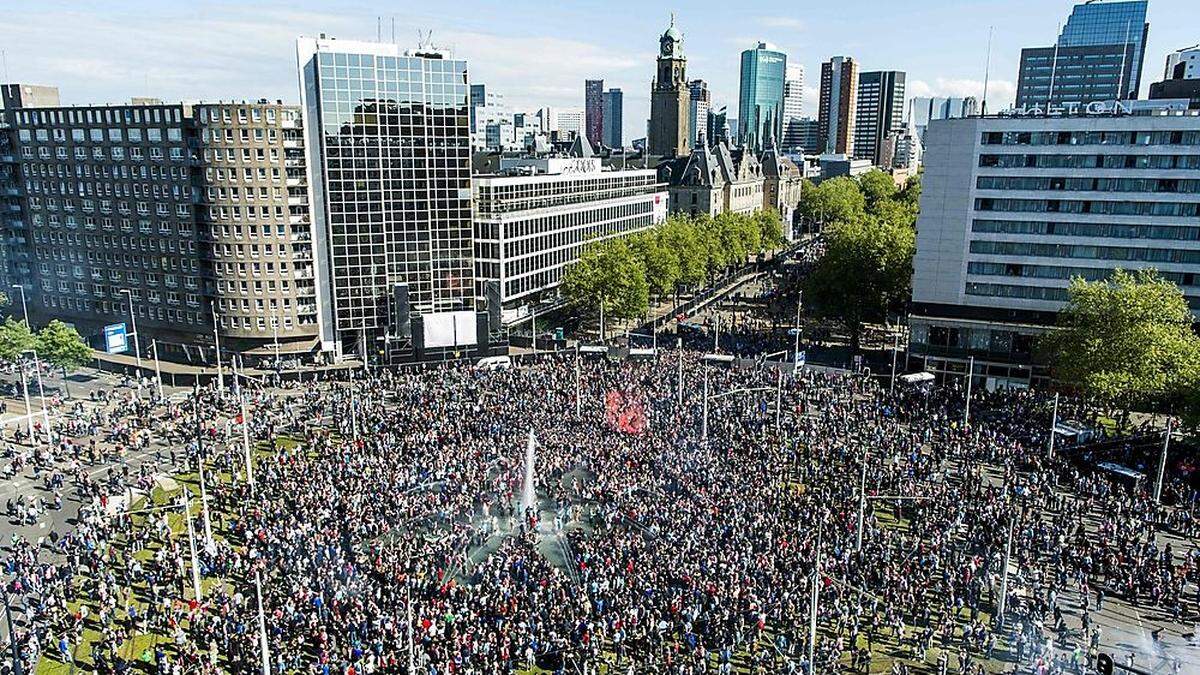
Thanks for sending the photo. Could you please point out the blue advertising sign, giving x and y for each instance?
(116, 341)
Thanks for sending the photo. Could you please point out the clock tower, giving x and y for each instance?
(669, 97)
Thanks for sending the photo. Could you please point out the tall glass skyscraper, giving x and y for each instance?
(388, 141)
(760, 106)
(1098, 57)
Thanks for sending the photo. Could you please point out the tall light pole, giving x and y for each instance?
(895, 353)
(137, 349)
(778, 396)
(862, 504)
(812, 607)
(264, 648)
(970, 379)
(799, 305)
(578, 383)
(1004, 579)
(37, 368)
(1053, 425)
(157, 368)
(28, 406)
(704, 427)
(217, 344)
(1162, 464)
(679, 382)
(24, 308)
(17, 668)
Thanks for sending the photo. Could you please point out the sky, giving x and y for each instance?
(537, 53)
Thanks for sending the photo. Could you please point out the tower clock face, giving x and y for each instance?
(668, 47)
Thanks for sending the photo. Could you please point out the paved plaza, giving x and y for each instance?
(582, 516)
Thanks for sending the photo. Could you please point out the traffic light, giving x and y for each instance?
(1104, 664)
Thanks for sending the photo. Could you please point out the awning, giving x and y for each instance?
(301, 347)
(917, 378)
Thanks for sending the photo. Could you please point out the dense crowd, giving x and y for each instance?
(388, 529)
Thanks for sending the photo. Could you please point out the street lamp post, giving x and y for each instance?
(157, 368)
(17, 668)
(1053, 425)
(970, 380)
(24, 308)
(217, 343)
(28, 406)
(37, 368)
(1162, 464)
(137, 349)
(895, 353)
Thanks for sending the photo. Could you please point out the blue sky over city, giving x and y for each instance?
(537, 53)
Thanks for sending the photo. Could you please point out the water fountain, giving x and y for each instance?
(528, 494)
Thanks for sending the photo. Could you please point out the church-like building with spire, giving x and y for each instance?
(669, 98)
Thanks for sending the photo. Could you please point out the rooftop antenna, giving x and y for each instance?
(987, 70)
(1053, 70)
(378, 28)
(4, 56)
(393, 29)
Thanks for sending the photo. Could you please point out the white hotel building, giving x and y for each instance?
(534, 218)
(1014, 207)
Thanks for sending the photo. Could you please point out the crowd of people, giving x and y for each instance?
(383, 526)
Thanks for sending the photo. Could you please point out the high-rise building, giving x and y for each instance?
(760, 102)
(1014, 208)
(718, 126)
(1181, 79)
(699, 104)
(1183, 64)
(614, 105)
(923, 109)
(487, 107)
(568, 122)
(793, 97)
(593, 110)
(803, 136)
(880, 111)
(839, 104)
(388, 143)
(1098, 57)
(532, 226)
(669, 97)
(193, 217)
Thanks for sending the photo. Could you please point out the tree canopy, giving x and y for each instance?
(683, 251)
(866, 270)
(1127, 340)
(62, 346)
(15, 339)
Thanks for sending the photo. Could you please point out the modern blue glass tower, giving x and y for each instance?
(760, 106)
(1098, 57)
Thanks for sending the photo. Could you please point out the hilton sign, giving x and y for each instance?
(1073, 109)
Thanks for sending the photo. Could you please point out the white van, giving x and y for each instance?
(494, 363)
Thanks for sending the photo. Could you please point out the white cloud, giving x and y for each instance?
(788, 22)
(1000, 92)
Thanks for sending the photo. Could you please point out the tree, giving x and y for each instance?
(866, 270)
(877, 187)
(1127, 340)
(770, 228)
(910, 194)
(15, 339)
(837, 200)
(608, 275)
(661, 265)
(63, 347)
(680, 236)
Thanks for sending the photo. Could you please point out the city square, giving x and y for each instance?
(574, 514)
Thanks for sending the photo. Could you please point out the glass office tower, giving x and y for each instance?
(388, 137)
(1098, 57)
(760, 106)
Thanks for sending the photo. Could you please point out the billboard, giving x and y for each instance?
(116, 341)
